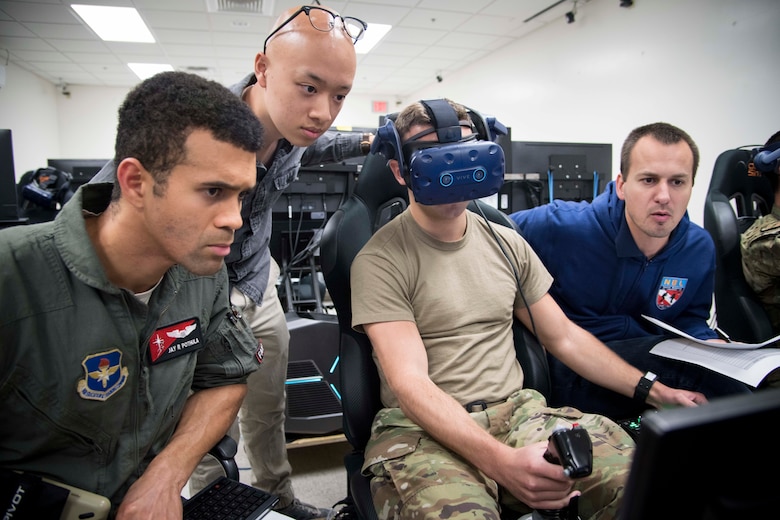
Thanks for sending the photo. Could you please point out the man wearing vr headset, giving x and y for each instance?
(435, 290)
(760, 244)
(632, 251)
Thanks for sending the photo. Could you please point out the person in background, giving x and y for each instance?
(760, 244)
(459, 435)
(121, 362)
(631, 252)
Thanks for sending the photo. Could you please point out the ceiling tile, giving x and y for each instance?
(427, 35)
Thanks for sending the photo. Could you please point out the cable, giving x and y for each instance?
(511, 264)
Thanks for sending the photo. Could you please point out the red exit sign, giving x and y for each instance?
(379, 106)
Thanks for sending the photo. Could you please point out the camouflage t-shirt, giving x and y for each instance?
(760, 246)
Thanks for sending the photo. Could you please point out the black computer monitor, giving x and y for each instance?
(9, 205)
(566, 171)
(81, 170)
(717, 461)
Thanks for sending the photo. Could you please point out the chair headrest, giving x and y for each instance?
(735, 177)
(381, 194)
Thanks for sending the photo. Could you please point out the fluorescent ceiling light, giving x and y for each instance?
(371, 36)
(147, 70)
(115, 24)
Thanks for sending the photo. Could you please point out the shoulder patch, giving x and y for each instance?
(105, 375)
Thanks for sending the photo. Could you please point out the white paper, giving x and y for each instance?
(734, 345)
(750, 366)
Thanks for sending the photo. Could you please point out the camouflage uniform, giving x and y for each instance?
(761, 262)
(416, 477)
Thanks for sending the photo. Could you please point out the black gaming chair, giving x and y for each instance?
(376, 199)
(737, 195)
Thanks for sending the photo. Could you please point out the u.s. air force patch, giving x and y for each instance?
(670, 291)
(105, 375)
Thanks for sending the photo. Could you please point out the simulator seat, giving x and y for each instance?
(376, 199)
(737, 196)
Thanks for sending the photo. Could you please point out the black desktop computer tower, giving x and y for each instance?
(313, 398)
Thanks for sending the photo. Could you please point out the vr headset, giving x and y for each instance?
(766, 159)
(49, 188)
(455, 168)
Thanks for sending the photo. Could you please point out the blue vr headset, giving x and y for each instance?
(766, 159)
(455, 168)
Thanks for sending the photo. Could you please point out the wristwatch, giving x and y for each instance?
(365, 143)
(643, 386)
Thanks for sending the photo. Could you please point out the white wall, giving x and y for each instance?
(357, 111)
(47, 124)
(87, 121)
(708, 66)
(28, 107)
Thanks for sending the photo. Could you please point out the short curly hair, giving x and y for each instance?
(159, 114)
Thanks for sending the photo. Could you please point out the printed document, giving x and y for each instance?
(746, 362)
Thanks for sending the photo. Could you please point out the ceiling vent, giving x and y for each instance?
(264, 7)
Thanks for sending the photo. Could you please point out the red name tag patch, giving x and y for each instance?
(175, 340)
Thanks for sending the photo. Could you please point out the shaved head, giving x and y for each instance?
(300, 30)
(304, 73)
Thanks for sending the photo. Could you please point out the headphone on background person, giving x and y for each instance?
(767, 158)
(455, 168)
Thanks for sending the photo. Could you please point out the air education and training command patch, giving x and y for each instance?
(670, 291)
(105, 375)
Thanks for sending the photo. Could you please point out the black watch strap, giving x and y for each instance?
(643, 386)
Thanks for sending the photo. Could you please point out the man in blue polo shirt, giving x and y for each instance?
(633, 251)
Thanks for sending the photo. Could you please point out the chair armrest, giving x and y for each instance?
(225, 453)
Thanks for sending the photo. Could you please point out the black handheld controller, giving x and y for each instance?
(573, 450)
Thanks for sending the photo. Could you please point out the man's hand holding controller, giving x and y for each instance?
(572, 449)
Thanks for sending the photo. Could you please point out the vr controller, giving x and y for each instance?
(453, 169)
(573, 450)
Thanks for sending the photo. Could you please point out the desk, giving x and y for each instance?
(273, 515)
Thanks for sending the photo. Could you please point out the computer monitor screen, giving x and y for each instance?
(566, 171)
(713, 462)
(82, 170)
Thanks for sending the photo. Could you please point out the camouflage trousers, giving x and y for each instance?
(415, 477)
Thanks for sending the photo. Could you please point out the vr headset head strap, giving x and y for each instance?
(444, 120)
